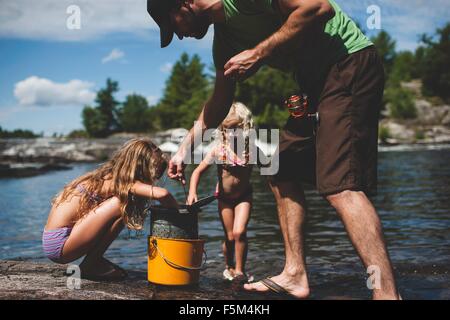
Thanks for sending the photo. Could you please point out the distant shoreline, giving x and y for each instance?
(413, 147)
(82, 150)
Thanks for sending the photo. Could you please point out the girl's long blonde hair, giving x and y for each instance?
(240, 117)
(138, 160)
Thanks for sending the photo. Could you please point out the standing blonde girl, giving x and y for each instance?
(89, 213)
(233, 190)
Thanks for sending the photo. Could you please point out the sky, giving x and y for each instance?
(55, 54)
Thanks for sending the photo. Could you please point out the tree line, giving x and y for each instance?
(430, 63)
(18, 133)
(185, 93)
(189, 85)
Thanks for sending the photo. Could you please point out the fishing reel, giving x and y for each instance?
(298, 107)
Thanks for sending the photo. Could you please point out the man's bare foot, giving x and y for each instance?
(294, 287)
(381, 296)
(101, 269)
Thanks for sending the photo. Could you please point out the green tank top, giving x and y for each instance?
(248, 22)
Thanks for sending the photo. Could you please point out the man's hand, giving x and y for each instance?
(243, 65)
(303, 17)
(176, 168)
(213, 113)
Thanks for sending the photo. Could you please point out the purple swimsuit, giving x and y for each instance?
(53, 242)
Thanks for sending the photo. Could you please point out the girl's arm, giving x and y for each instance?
(162, 195)
(196, 174)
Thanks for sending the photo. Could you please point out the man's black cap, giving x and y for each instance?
(159, 11)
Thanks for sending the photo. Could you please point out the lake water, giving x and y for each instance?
(413, 202)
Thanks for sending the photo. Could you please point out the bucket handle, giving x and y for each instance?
(177, 266)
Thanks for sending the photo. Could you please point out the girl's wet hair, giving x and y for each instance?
(138, 160)
(239, 117)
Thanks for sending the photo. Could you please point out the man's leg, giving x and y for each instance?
(291, 212)
(364, 229)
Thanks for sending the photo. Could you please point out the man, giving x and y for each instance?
(339, 69)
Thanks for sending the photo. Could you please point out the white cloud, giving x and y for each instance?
(166, 67)
(44, 92)
(115, 54)
(47, 19)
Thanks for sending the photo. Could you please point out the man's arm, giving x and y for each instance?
(213, 113)
(302, 17)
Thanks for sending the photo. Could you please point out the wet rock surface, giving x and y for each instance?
(27, 280)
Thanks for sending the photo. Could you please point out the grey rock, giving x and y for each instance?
(427, 114)
(52, 149)
(446, 119)
(438, 134)
(400, 132)
(28, 280)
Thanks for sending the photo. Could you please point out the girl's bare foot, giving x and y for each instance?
(243, 277)
(101, 269)
(297, 288)
(229, 274)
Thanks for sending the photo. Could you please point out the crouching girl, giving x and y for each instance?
(89, 213)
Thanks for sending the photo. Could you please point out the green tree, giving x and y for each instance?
(401, 103)
(272, 117)
(187, 88)
(399, 67)
(95, 122)
(107, 104)
(133, 116)
(384, 134)
(436, 64)
(18, 133)
(101, 120)
(264, 93)
(78, 134)
(419, 62)
(403, 68)
(386, 49)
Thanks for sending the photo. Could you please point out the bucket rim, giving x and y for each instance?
(173, 239)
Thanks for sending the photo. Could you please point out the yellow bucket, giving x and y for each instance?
(175, 262)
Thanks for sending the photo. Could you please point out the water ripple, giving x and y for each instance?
(413, 202)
